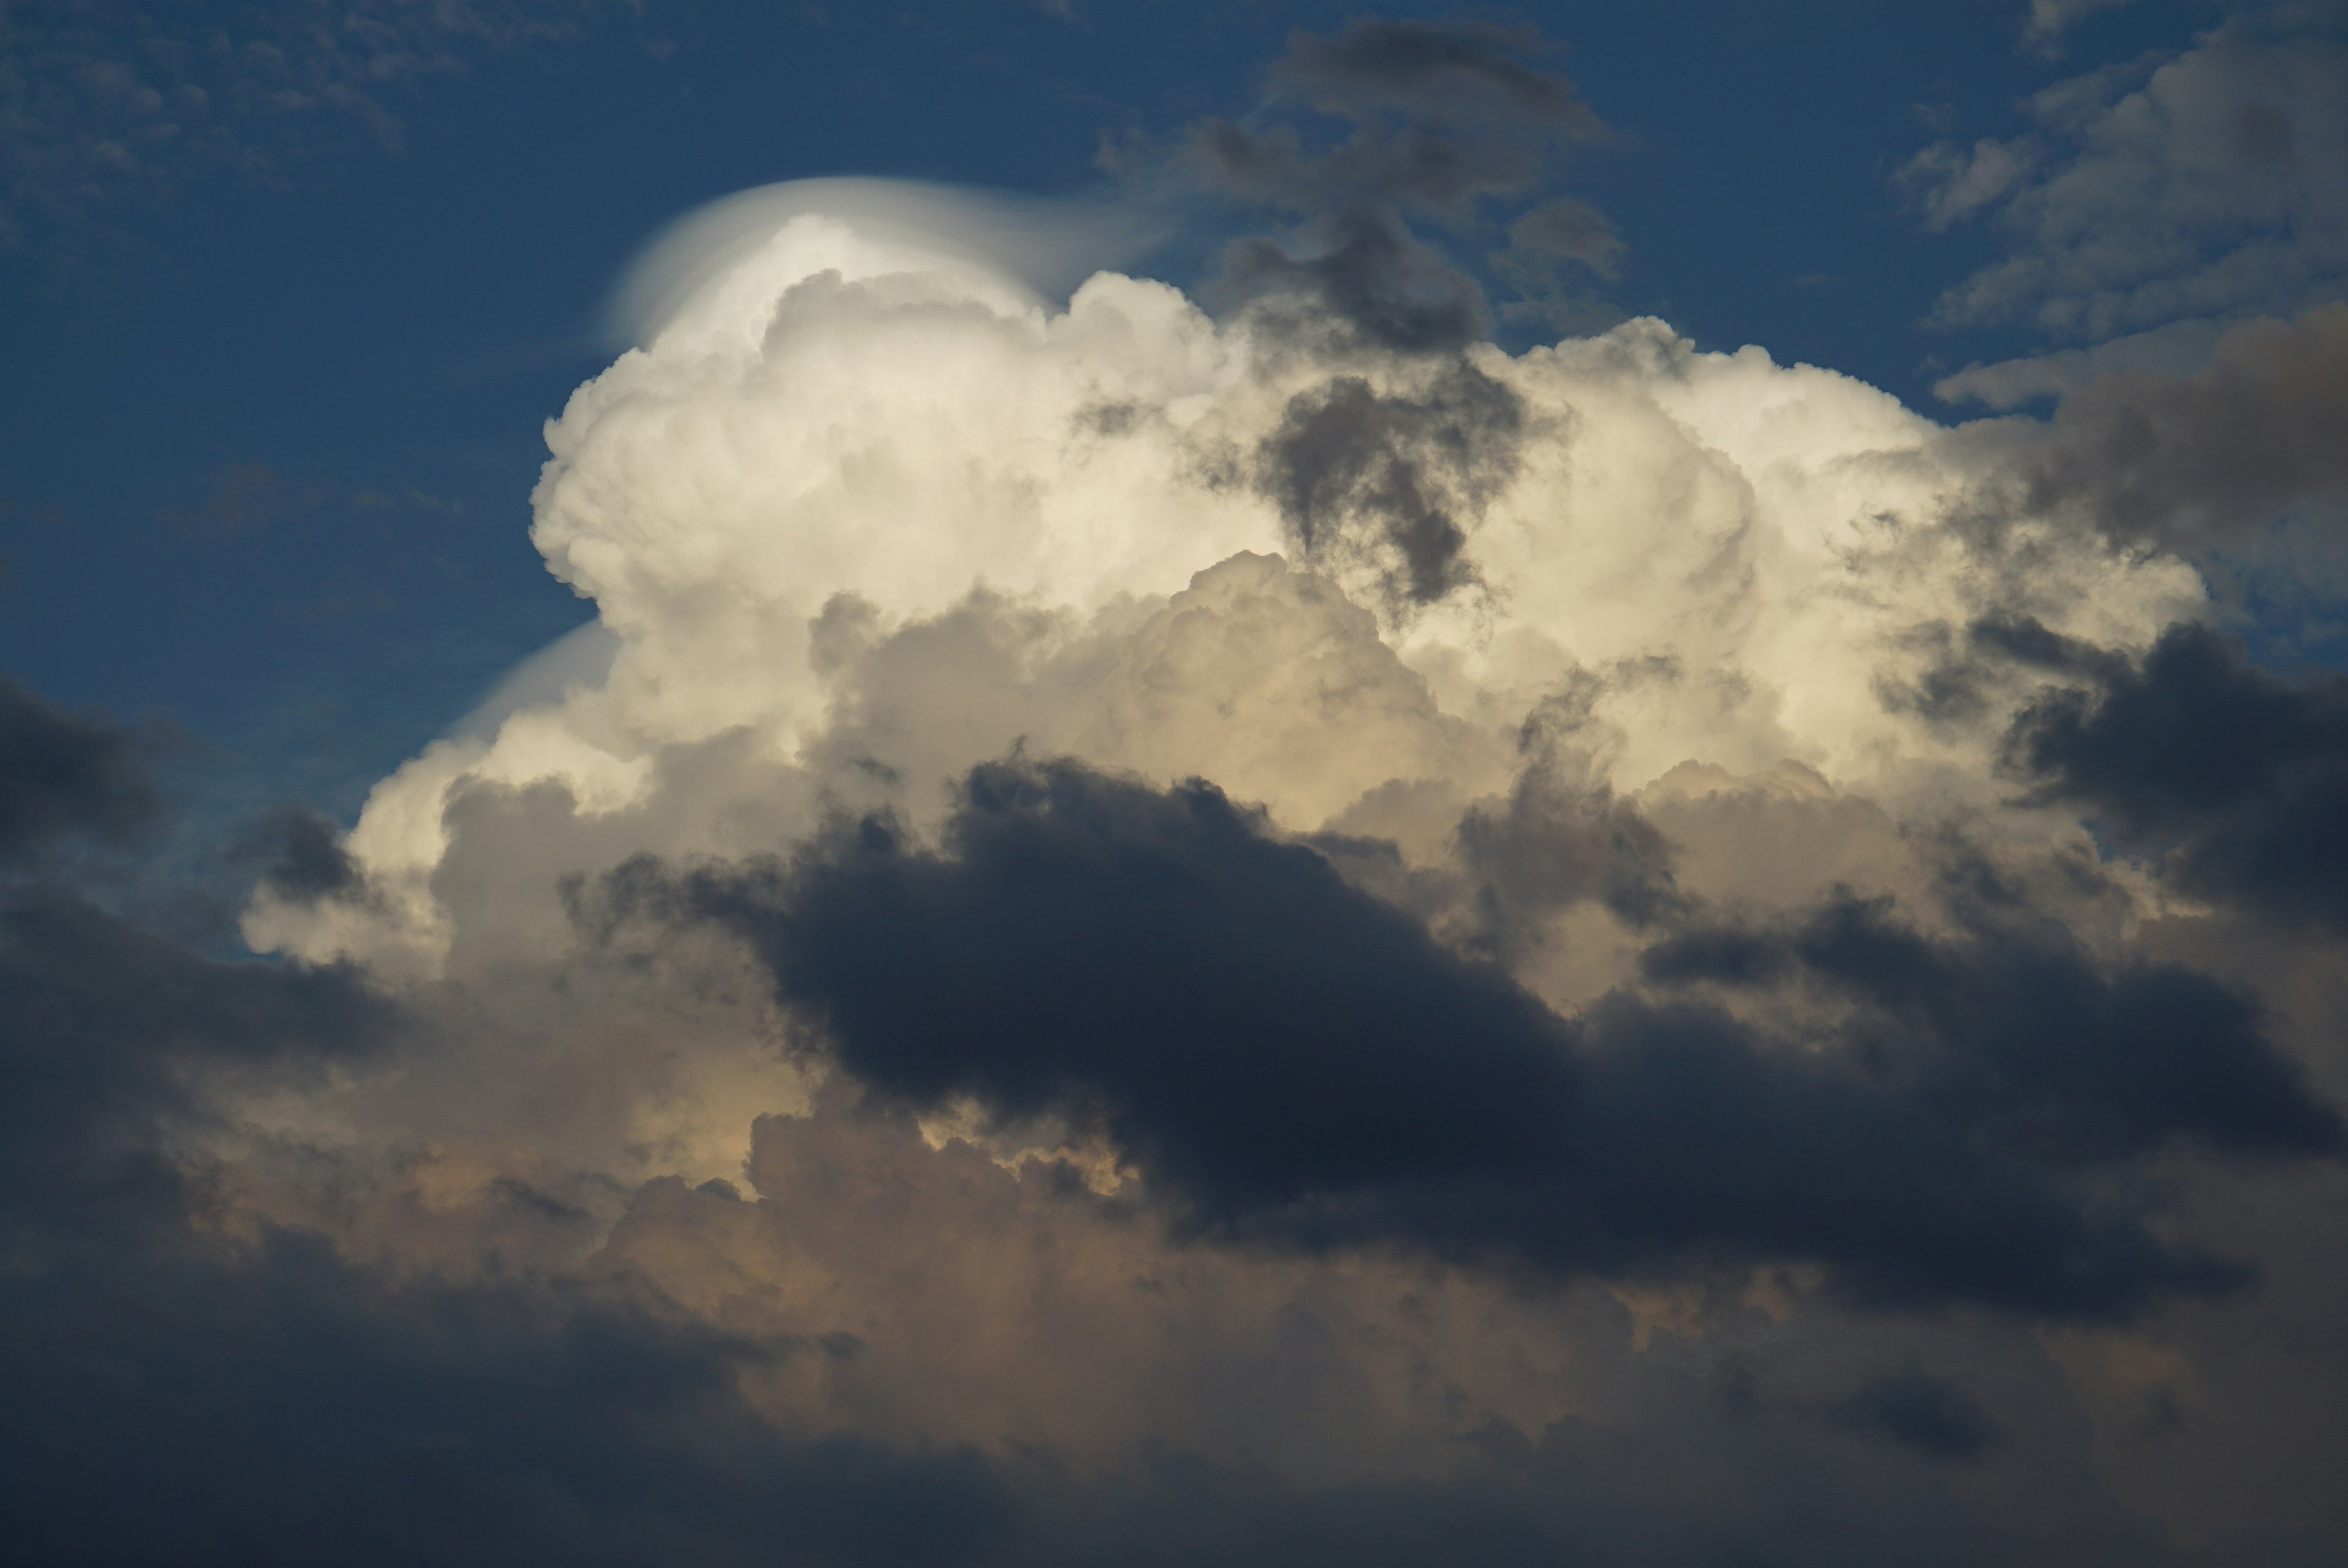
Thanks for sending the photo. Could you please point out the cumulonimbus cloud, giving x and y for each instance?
(1139, 926)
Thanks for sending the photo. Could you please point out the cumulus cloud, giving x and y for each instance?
(1234, 935)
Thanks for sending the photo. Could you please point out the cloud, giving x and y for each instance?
(1922, 1411)
(2214, 457)
(2050, 19)
(300, 855)
(1442, 119)
(1956, 183)
(2236, 777)
(2206, 184)
(279, 1403)
(109, 1031)
(1564, 230)
(2098, 1067)
(1148, 934)
(66, 774)
(2180, 348)
(1381, 477)
(1371, 63)
(1299, 1061)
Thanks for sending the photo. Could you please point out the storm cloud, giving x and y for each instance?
(1299, 1061)
(2236, 778)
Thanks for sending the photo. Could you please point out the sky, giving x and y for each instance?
(1028, 783)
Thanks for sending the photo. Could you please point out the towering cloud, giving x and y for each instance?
(1147, 935)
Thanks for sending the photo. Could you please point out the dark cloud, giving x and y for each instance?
(1297, 1063)
(1300, 1062)
(2016, 1033)
(1924, 1412)
(1076, 903)
(300, 855)
(106, 1029)
(61, 775)
(280, 1406)
(2207, 458)
(1561, 838)
(1441, 115)
(190, 1405)
(1390, 481)
(1967, 669)
(2236, 779)
(1442, 118)
(176, 1395)
(1365, 273)
(1372, 63)
(105, 1026)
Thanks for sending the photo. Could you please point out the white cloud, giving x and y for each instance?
(783, 504)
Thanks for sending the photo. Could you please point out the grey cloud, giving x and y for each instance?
(1565, 230)
(1954, 183)
(300, 855)
(60, 773)
(1263, 1043)
(2212, 186)
(2179, 348)
(1989, 659)
(1923, 1411)
(187, 1382)
(1442, 118)
(1371, 63)
(2235, 780)
(1365, 273)
(2213, 457)
(2075, 1065)
(1475, 118)
(106, 1030)
(106, 1027)
(197, 1399)
(1390, 479)
(281, 1407)
(1563, 837)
